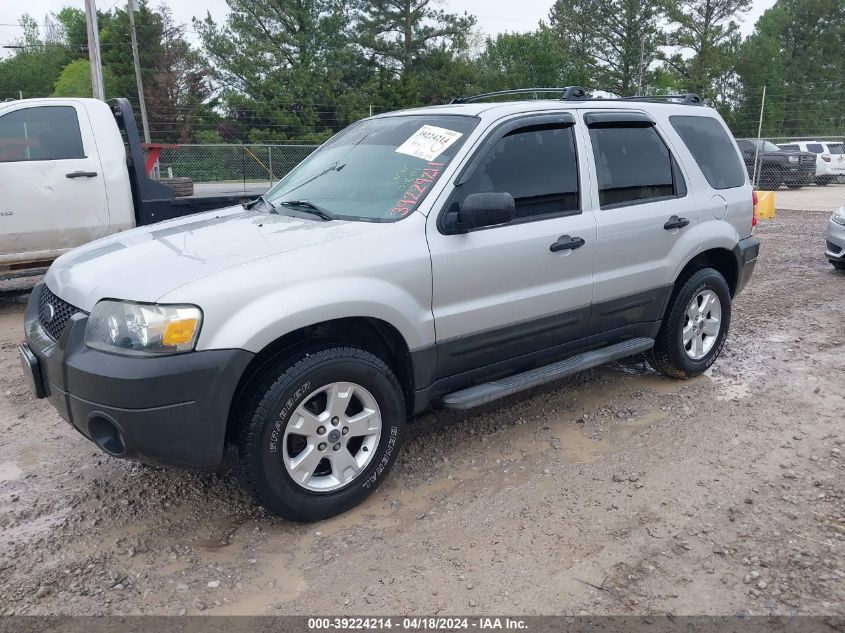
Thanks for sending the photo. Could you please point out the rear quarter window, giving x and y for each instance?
(712, 149)
(816, 148)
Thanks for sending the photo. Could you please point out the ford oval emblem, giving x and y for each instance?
(49, 313)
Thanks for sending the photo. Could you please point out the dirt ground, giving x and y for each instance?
(615, 491)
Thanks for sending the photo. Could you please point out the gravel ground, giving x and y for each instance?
(615, 491)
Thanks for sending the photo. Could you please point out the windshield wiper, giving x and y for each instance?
(259, 200)
(309, 207)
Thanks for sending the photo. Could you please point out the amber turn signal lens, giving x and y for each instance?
(179, 332)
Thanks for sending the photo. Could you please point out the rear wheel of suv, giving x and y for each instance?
(320, 434)
(695, 325)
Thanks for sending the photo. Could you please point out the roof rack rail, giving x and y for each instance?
(686, 98)
(568, 93)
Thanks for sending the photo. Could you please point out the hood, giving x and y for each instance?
(785, 153)
(144, 264)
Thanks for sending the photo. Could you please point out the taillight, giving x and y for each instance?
(826, 158)
(754, 209)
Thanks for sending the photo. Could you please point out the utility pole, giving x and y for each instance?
(94, 51)
(144, 123)
(642, 60)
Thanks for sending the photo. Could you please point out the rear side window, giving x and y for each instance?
(633, 165)
(816, 148)
(43, 133)
(537, 165)
(835, 148)
(712, 149)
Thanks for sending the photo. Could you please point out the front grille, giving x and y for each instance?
(833, 248)
(60, 310)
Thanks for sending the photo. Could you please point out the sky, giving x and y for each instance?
(494, 16)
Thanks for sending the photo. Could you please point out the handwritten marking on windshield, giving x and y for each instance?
(413, 194)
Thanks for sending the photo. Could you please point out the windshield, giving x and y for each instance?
(376, 170)
(766, 146)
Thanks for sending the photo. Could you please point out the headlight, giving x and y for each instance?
(839, 216)
(794, 159)
(142, 329)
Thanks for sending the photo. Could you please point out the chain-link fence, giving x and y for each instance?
(254, 164)
(804, 173)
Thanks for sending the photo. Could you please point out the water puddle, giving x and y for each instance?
(9, 471)
(728, 388)
(29, 529)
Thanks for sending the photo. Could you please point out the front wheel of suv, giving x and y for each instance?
(695, 325)
(319, 434)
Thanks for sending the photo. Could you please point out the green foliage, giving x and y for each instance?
(797, 52)
(707, 28)
(35, 67)
(400, 35)
(615, 42)
(525, 60)
(279, 70)
(75, 80)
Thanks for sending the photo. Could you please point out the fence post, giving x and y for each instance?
(754, 181)
(270, 163)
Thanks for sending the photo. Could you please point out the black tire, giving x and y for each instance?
(182, 186)
(795, 186)
(668, 355)
(266, 414)
(770, 182)
(823, 182)
(838, 265)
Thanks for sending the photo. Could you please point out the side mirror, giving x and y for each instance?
(479, 210)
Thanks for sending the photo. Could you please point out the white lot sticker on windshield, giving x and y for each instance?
(428, 142)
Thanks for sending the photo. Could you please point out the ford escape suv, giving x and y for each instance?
(444, 256)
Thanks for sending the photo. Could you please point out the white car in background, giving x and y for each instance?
(830, 159)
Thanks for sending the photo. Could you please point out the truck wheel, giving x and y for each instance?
(320, 434)
(695, 327)
(182, 186)
(838, 265)
(823, 182)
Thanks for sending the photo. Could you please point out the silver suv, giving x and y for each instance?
(445, 256)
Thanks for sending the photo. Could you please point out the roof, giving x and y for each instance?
(505, 108)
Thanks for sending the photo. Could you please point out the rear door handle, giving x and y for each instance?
(566, 243)
(81, 174)
(676, 223)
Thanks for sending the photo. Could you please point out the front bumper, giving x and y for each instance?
(169, 410)
(746, 252)
(796, 173)
(835, 247)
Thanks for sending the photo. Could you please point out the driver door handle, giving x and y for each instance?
(81, 174)
(566, 243)
(676, 223)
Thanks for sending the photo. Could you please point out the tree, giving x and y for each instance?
(708, 29)
(614, 42)
(525, 60)
(401, 33)
(285, 66)
(796, 51)
(75, 80)
(35, 66)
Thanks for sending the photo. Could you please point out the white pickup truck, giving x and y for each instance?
(72, 171)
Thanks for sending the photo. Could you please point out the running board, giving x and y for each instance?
(490, 391)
